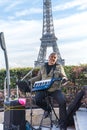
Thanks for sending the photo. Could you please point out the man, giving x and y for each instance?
(48, 71)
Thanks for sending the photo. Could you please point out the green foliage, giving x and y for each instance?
(15, 75)
(77, 74)
(80, 77)
(2, 77)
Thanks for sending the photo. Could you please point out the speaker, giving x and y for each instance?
(14, 115)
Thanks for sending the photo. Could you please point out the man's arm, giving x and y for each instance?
(63, 74)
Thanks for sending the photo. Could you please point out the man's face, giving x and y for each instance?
(52, 59)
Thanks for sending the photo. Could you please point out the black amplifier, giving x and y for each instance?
(14, 115)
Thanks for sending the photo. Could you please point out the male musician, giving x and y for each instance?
(50, 70)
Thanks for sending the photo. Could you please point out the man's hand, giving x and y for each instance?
(65, 81)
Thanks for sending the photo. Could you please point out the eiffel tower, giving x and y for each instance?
(48, 36)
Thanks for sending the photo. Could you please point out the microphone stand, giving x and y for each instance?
(30, 73)
(31, 112)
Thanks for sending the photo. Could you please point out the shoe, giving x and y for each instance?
(62, 126)
(63, 129)
(46, 114)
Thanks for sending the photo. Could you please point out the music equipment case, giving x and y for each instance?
(14, 115)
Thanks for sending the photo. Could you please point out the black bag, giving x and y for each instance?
(14, 115)
(24, 86)
(73, 107)
(29, 126)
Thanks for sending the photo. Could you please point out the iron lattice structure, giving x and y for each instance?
(48, 36)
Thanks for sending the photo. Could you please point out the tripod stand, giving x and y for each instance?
(29, 74)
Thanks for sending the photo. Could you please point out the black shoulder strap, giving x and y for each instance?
(54, 67)
(46, 66)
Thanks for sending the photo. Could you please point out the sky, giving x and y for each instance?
(21, 22)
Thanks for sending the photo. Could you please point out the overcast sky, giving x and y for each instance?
(22, 21)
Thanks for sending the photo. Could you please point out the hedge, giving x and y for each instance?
(77, 74)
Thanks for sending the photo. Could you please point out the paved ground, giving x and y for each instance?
(81, 119)
(54, 128)
(36, 118)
